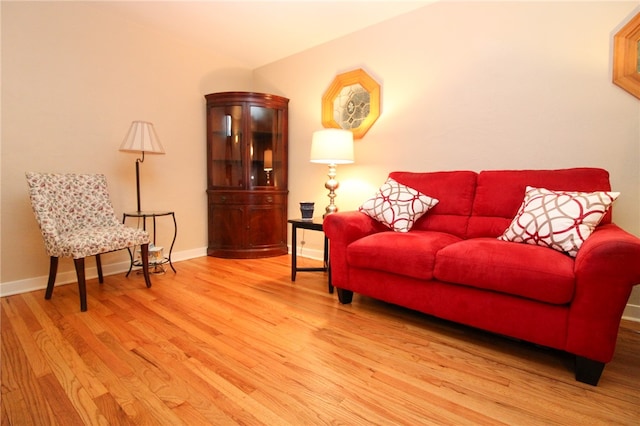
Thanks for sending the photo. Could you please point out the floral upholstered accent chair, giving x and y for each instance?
(77, 219)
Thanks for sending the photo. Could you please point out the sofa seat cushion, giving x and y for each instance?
(529, 271)
(411, 253)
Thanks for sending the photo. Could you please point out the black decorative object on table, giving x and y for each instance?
(306, 210)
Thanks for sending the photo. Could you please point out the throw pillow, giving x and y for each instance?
(397, 206)
(560, 220)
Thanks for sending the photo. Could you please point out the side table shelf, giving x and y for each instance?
(160, 260)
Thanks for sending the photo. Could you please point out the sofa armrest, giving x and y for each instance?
(342, 229)
(347, 227)
(607, 267)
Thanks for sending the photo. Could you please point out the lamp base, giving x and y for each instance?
(332, 184)
(330, 209)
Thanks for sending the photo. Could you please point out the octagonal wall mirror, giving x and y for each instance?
(352, 102)
(626, 70)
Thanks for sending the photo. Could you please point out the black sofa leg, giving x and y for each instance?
(344, 296)
(588, 371)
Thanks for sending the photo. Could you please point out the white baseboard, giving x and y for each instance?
(631, 312)
(309, 253)
(68, 277)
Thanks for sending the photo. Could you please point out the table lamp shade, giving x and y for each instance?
(142, 137)
(332, 146)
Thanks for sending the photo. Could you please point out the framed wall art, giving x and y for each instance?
(626, 69)
(352, 102)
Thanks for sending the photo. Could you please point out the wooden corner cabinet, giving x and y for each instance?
(247, 145)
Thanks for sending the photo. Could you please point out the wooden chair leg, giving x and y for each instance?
(144, 252)
(82, 285)
(53, 270)
(99, 267)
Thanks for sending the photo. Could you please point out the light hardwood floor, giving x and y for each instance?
(236, 342)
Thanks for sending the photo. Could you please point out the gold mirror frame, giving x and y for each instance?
(625, 57)
(358, 81)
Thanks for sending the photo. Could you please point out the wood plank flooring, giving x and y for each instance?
(236, 342)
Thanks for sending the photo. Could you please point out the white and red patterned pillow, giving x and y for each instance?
(559, 220)
(397, 206)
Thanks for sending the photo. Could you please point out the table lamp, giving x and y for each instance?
(332, 147)
(268, 164)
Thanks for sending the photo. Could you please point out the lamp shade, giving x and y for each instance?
(268, 159)
(142, 137)
(332, 146)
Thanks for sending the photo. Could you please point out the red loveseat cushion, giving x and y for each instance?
(411, 253)
(455, 191)
(519, 269)
(499, 194)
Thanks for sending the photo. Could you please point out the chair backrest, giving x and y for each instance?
(64, 203)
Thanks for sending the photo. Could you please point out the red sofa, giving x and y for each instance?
(452, 265)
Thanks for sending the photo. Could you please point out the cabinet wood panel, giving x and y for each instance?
(247, 182)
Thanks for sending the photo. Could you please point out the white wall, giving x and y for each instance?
(473, 86)
(73, 79)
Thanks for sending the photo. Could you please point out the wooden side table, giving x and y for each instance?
(153, 215)
(315, 225)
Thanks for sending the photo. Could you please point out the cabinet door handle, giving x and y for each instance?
(223, 199)
(269, 200)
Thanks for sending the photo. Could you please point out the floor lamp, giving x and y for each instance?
(332, 147)
(141, 138)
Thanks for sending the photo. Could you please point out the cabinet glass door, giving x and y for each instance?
(266, 147)
(226, 146)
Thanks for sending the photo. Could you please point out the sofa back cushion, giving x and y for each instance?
(455, 191)
(499, 194)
